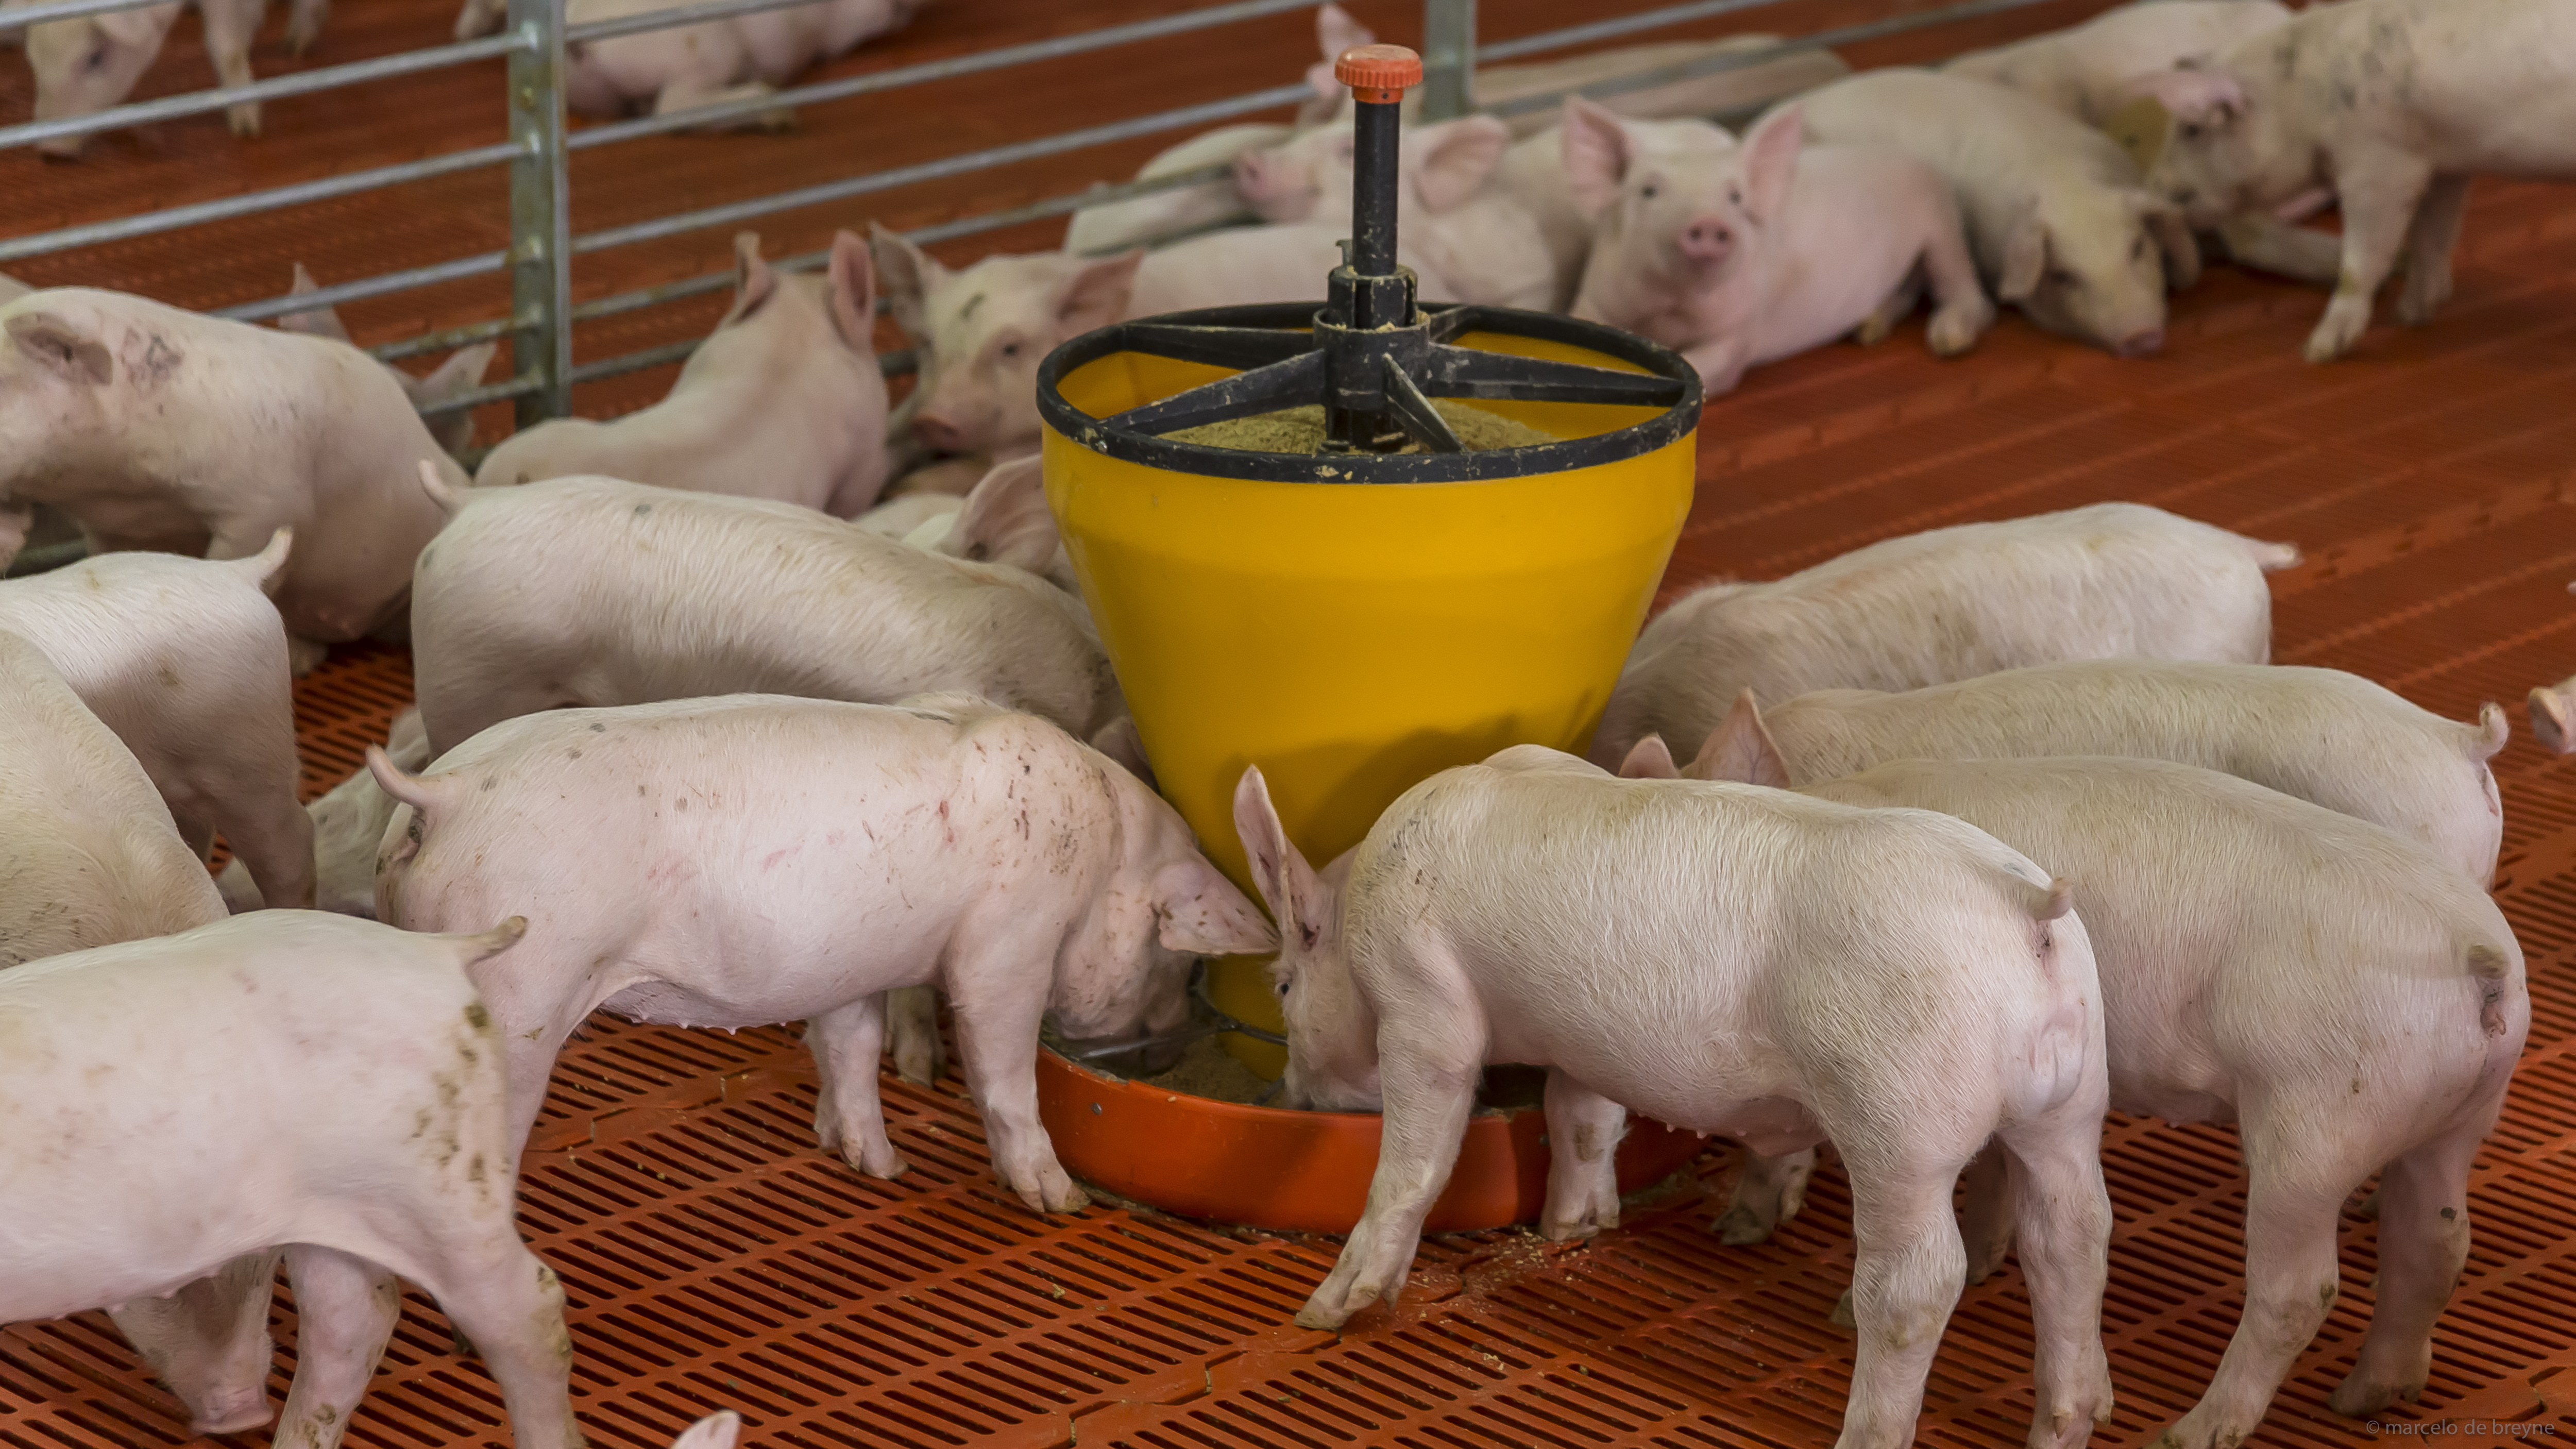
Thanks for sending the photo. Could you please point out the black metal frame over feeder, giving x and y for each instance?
(1374, 357)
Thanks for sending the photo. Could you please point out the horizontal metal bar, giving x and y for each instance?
(449, 339)
(1742, 59)
(250, 203)
(476, 397)
(1050, 49)
(1613, 28)
(66, 10)
(634, 361)
(46, 559)
(359, 291)
(197, 102)
(671, 19)
(934, 170)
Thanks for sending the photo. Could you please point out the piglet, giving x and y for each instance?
(347, 823)
(1728, 959)
(2553, 713)
(2055, 210)
(783, 401)
(1475, 235)
(760, 859)
(2085, 70)
(1737, 256)
(713, 62)
(2115, 580)
(2325, 736)
(1144, 220)
(159, 429)
(980, 332)
(592, 591)
(462, 372)
(89, 63)
(2342, 995)
(187, 662)
(283, 1080)
(2392, 103)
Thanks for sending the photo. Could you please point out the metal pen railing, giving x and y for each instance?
(539, 260)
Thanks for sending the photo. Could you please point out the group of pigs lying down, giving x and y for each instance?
(1935, 852)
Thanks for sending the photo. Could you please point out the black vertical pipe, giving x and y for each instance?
(1377, 133)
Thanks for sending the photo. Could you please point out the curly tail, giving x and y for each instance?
(2272, 558)
(411, 790)
(436, 487)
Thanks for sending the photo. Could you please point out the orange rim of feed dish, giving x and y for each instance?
(1305, 1172)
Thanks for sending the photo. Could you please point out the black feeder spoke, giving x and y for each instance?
(1503, 376)
(1269, 389)
(1243, 347)
(1415, 413)
(1449, 325)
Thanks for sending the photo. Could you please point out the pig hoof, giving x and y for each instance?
(1565, 1232)
(1841, 1317)
(1313, 1316)
(2549, 722)
(2340, 329)
(2369, 1206)
(885, 1165)
(1876, 330)
(1952, 333)
(1741, 1227)
(2359, 1398)
(303, 656)
(244, 120)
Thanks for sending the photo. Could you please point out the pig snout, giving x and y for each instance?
(1707, 239)
(2143, 343)
(939, 432)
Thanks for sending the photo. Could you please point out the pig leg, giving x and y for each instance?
(16, 519)
(230, 25)
(1986, 1219)
(2379, 194)
(2423, 1244)
(479, 17)
(997, 1033)
(209, 1342)
(912, 1020)
(1960, 311)
(1906, 1275)
(1768, 1192)
(2291, 1274)
(304, 24)
(1429, 1080)
(848, 1119)
(2268, 244)
(345, 1309)
(255, 802)
(2428, 249)
(1900, 304)
(509, 1305)
(2553, 717)
(1583, 1132)
(2053, 1181)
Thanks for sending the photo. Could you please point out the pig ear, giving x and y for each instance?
(459, 372)
(1596, 152)
(1337, 30)
(1649, 759)
(715, 1431)
(1288, 885)
(1097, 295)
(1204, 915)
(47, 338)
(1771, 161)
(2141, 126)
(1005, 519)
(2164, 221)
(854, 293)
(1741, 749)
(907, 275)
(753, 282)
(1458, 158)
(2025, 258)
(2199, 98)
(321, 321)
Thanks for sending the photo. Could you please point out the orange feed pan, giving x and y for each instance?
(1305, 1172)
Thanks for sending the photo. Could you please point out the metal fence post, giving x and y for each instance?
(540, 214)
(1448, 58)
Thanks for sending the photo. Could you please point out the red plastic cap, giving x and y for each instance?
(1378, 74)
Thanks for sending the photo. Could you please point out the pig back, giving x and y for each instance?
(615, 593)
(1642, 919)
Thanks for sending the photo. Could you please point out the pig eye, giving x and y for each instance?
(1649, 191)
(1010, 349)
(2060, 277)
(2138, 250)
(1734, 197)
(2190, 130)
(1283, 991)
(95, 60)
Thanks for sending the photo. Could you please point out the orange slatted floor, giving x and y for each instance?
(714, 1258)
